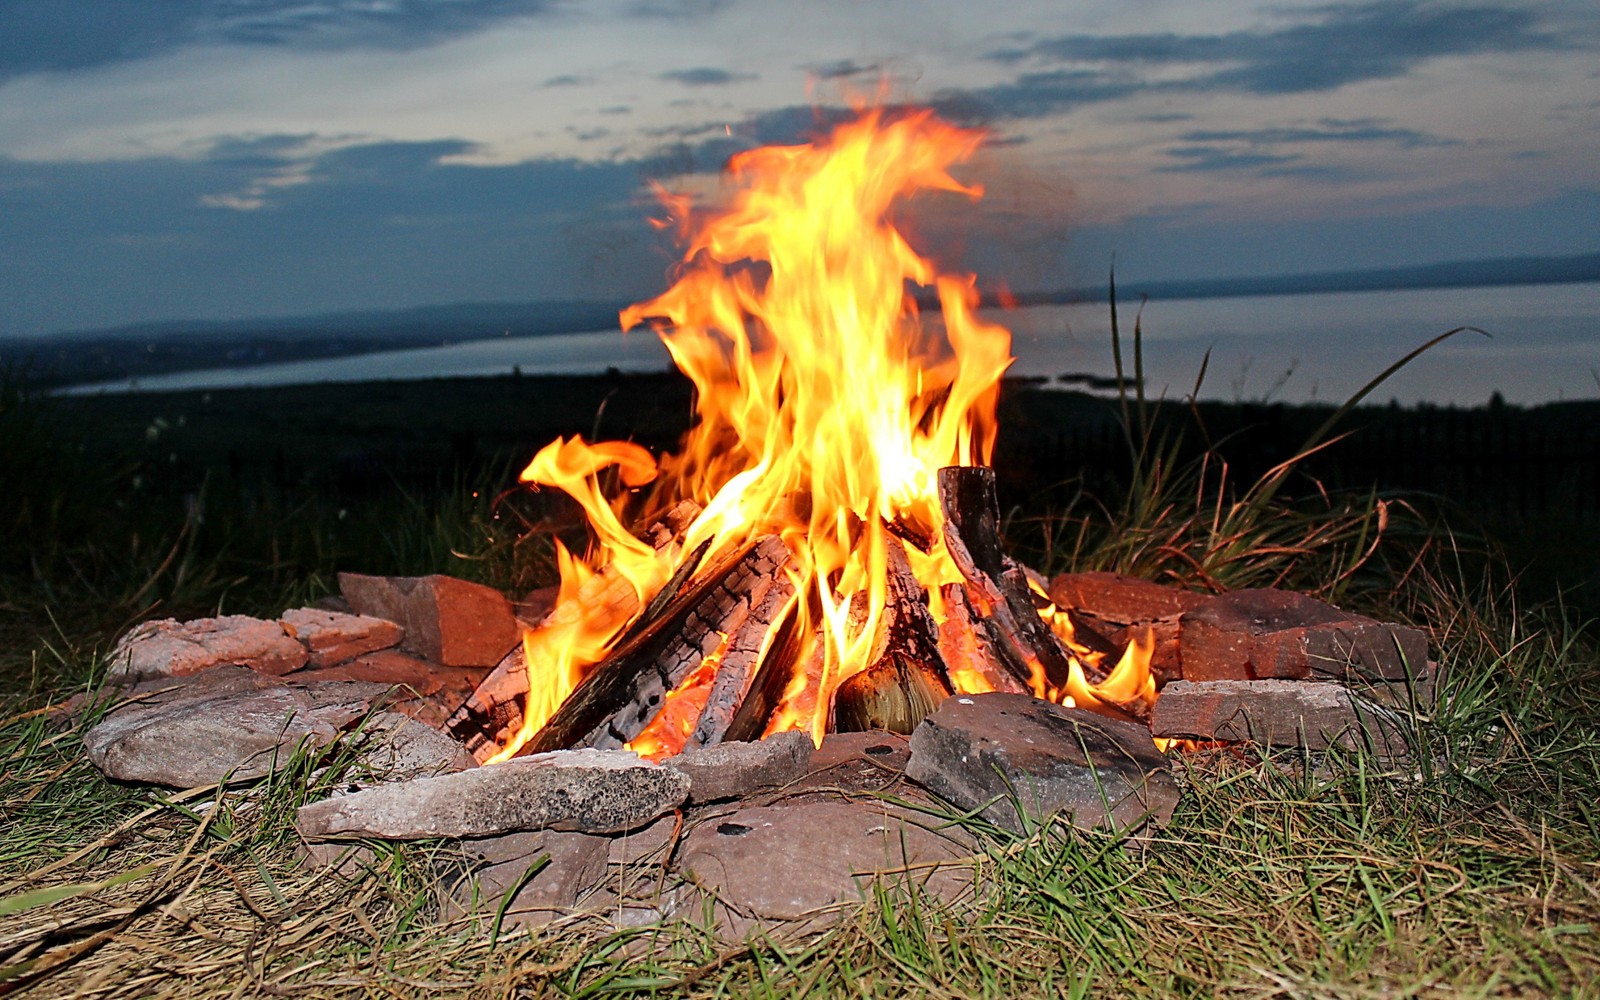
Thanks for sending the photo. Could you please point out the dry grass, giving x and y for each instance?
(1471, 870)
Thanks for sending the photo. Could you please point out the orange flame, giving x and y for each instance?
(825, 407)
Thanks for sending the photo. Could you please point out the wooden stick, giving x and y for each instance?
(619, 696)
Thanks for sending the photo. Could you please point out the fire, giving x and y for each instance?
(825, 408)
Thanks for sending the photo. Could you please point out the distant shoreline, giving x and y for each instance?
(152, 350)
(1509, 272)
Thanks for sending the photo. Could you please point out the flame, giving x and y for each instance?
(825, 408)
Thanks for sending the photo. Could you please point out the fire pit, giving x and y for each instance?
(820, 565)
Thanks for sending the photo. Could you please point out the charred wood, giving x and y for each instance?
(907, 678)
(998, 587)
(747, 648)
(493, 712)
(623, 692)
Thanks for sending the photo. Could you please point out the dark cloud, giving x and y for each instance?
(1325, 48)
(1326, 130)
(1035, 95)
(566, 80)
(705, 76)
(838, 69)
(1198, 159)
(54, 35)
(382, 223)
(678, 9)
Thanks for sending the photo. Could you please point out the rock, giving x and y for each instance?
(731, 770)
(592, 791)
(345, 859)
(399, 748)
(570, 865)
(1310, 714)
(1021, 759)
(1260, 634)
(869, 761)
(532, 608)
(332, 638)
(449, 621)
(801, 860)
(645, 845)
(170, 648)
(1108, 611)
(428, 692)
(207, 730)
(1123, 599)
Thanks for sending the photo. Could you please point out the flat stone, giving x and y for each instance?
(170, 648)
(802, 861)
(593, 791)
(332, 638)
(646, 845)
(1262, 634)
(346, 859)
(399, 748)
(1021, 759)
(870, 761)
(1310, 714)
(202, 732)
(1108, 611)
(449, 621)
(569, 866)
(732, 770)
(1122, 599)
(428, 692)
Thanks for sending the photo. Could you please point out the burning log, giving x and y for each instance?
(622, 693)
(495, 709)
(907, 679)
(747, 648)
(964, 645)
(998, 587)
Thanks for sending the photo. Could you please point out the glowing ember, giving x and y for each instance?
(825, 410)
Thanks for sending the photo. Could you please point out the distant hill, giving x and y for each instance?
(146, 349)
(1458, 274)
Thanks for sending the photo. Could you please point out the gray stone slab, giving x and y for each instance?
(803, 861)
(220, 724)
(1021, 759)
(732, 770)
(546, 873)
(593, 791)
(1310, 714)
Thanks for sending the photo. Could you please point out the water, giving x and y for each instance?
(1544, 345)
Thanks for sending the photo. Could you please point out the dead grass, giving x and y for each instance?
(1472, 870)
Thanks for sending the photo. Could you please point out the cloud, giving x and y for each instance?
(838, 69)
(64, 35)
(1320, 49)
(1326, 130)
(1197, 159)
(705, 76)
(368, 224)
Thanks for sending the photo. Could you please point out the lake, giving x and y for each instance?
(1543, 344)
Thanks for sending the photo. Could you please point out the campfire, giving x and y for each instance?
(761, 619)
(823, 551)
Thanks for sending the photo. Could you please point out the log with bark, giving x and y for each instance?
(622, 693)
(492, 714)
(997, 587)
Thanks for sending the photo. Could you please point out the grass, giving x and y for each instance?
(1471, 870)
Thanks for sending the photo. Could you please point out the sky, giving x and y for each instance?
(214, 159)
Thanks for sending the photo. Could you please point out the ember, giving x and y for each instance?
(822, 580)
